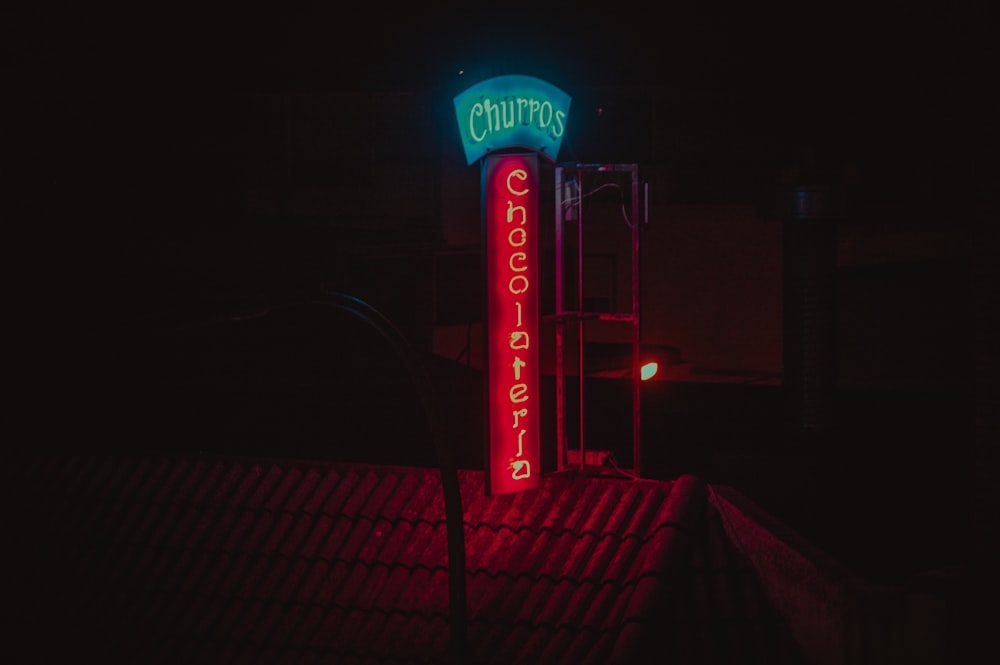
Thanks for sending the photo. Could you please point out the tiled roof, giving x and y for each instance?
(193, 559)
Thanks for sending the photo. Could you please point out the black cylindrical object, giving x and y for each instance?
(809, 216)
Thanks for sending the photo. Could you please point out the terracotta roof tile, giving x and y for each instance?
(221, 560)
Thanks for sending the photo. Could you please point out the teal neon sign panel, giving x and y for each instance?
(511, 112)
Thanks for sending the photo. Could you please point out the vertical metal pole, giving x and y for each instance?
(579, 300)
(560, 320)
(636, 329)
(809, 309)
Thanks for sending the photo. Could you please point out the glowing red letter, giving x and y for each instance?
(510, 185)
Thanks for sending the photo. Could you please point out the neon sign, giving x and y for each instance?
(511, 112)
(510, 187)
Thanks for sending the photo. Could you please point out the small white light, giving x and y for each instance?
(648, 371)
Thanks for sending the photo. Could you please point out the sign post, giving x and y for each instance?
(510, 188)
(506, 122)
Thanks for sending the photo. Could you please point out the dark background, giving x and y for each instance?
(116, 115)
(114, 111)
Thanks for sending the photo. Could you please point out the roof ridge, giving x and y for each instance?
(668, 548)
(808, 588)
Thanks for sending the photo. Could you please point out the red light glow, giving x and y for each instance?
(510, 187)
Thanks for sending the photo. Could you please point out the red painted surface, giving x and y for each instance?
(510, 188)
(208, 560)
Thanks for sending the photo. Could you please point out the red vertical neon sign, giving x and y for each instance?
(510, 187)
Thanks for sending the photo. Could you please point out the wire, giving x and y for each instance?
(770, 376)
(621, 196)
(610, 461)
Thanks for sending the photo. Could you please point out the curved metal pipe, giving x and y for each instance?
(454, 518)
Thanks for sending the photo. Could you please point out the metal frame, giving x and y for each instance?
(562, 316)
